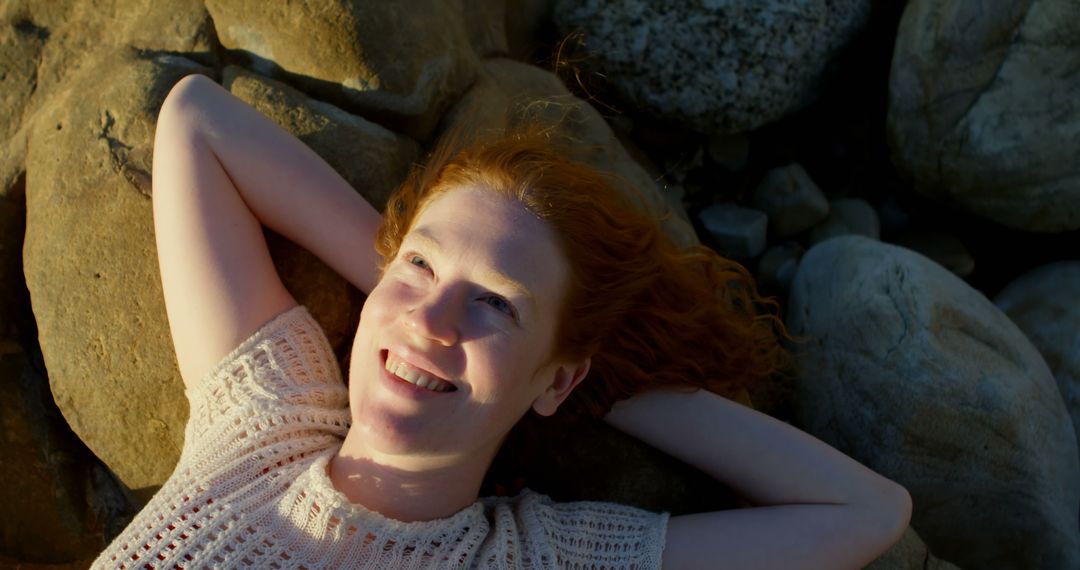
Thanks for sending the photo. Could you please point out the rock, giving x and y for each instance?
(792, 200)
(91, 267)
(739, 232)
(507, 93)
(984, 108)
(486, 26)
(1043, 303)
(371, 158)
(778, 265)
(910, 553)
(941, 247)
(21, 44)
(41, 44)
(848, 216)
(77, 33)
(401, 64)
(919, 377)
(719, 67)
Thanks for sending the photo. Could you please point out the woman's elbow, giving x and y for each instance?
(892, 515)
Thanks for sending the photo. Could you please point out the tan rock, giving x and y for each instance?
(371, 158)
(984, 108)
(91, 266)
(401, 63)
(507, 92)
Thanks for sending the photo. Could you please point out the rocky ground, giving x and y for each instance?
(901, 177)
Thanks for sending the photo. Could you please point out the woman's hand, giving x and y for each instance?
(828, 510)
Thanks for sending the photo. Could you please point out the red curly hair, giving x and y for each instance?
(647, 312)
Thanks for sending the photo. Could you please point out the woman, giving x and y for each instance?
(488, 295)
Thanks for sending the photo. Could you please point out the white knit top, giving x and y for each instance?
(251, 488)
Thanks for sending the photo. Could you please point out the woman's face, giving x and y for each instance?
(469, 303)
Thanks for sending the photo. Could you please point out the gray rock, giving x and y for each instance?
(401, 63)
(792, 200)
(848, 216)
(984, 108)
(1045, 304)
(778, 265)
(919, 377)
(910, 553)
(943, 248)
(720, 66)
(740, 232)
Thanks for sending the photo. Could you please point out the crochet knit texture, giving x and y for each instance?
(251, 488)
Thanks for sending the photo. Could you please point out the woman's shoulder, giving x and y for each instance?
(286, 358)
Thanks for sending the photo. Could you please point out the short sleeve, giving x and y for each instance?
(592, 534)
(284, 376)
(578, 534)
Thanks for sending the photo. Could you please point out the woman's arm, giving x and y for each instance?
(818, 508)
(221, 172)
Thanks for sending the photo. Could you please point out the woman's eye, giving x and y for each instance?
(419, 262)
(500, 304)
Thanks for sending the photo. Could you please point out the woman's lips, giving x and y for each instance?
(408, 378)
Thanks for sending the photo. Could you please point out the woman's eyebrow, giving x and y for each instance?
(488, 274)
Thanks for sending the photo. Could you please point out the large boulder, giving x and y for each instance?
(984, 108)
(1045, 304)
(91, 266)
(919, 377)
(719, 67)
(402, 63)
(507, 92)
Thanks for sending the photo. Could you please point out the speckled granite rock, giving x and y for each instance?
(984, 108)
(718, 66)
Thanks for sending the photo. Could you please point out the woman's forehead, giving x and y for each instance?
(495, 232)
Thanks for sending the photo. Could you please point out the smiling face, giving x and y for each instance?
(469, 307)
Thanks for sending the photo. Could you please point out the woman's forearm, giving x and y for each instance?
(288, 187)
(764, 459)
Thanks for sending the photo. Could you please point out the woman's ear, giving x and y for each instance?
(565, 378)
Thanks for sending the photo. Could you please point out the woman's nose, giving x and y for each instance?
(436, 317)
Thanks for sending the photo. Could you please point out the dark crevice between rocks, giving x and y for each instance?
(106, 507)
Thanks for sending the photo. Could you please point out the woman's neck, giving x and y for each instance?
(405, 488)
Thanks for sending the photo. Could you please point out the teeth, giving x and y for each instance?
(411, 375)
